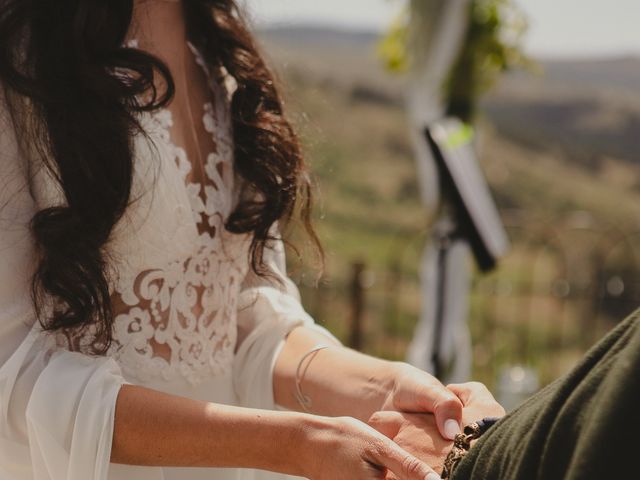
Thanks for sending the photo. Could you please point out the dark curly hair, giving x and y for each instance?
(67, 60)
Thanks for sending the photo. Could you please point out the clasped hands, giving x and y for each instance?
(423, 416)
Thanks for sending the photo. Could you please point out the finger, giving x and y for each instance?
(431, 396)
(476, 393)
(375, 472)
(402, 464)
(390, 476)
(446, 407)
(387, 423)
(471, 391)
(462, 391)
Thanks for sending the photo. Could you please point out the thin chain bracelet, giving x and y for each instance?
(462, 444)
(305, 400)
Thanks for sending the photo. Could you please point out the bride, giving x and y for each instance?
(148, 329)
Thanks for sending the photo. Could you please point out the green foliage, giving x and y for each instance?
(492, 46)
(393, 46)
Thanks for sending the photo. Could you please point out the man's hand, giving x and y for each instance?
(418, 433)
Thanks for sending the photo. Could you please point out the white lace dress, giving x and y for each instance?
(191, 317)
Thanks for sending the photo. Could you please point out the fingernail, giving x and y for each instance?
(451, 429)
(432, 476)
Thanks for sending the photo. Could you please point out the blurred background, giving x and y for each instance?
(557, 137)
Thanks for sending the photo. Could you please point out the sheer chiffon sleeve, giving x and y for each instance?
(268, 309)
(56, 407)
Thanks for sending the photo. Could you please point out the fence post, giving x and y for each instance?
(357, 306)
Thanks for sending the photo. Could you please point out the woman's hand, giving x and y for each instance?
(415, 391)
(344, 447)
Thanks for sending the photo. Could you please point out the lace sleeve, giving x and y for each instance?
(268, 309)
(56, 407)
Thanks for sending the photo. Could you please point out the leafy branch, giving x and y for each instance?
(492, 46)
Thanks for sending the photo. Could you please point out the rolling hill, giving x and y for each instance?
(559, 149)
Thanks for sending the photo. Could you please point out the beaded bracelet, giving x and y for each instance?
(462, 444)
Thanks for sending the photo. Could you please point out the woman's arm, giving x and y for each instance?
(338, 380)
(341, 381)
(156, 429)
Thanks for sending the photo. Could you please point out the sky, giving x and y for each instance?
(557, 28)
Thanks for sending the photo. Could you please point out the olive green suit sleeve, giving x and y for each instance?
(584, 426)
